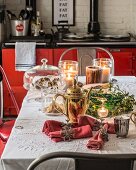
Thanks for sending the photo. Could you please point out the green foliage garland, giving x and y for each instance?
(117, 101)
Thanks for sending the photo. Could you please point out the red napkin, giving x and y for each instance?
(82, 129)
(89, 120)
(5, 130)
(51, 126)
(97, 141)
(74, 133)
(111, 128)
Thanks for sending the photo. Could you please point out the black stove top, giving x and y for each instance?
(99, 40)
(48, 41)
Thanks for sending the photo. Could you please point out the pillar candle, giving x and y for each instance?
(105, 75)
(93, 74)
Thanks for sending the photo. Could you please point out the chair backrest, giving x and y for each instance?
(1, 99)
(5, 78)
(86, 55)
(88, 161)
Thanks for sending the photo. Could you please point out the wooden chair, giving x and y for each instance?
(89, 161)
(86, 55)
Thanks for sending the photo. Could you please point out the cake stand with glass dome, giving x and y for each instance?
(43, 78)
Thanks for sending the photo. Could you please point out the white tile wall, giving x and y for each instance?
(115, 16)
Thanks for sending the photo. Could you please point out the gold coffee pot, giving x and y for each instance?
(75, 102)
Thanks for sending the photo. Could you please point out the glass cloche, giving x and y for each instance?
(42, 76)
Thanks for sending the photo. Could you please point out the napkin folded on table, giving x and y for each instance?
(51, 126)
(89, 120)
(97, 141)
(74, 133)
(94, 123)
(82, 129)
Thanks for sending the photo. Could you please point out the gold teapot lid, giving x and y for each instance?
(75, 89)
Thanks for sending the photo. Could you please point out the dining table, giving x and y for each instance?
(27, 141)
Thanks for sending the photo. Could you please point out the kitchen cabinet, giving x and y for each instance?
(16, 77)
(124, 61)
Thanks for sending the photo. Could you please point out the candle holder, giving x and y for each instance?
(68, 72)
(103, 113)
(106, 68)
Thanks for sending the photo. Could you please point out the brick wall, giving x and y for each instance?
(115, 16)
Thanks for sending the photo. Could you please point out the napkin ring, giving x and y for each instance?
(66, 125)
(96, 125)
(104, 134)
(67, 132)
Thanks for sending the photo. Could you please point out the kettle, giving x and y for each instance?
(61, 31)
(76, 102)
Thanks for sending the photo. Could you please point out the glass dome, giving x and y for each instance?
(42, 76)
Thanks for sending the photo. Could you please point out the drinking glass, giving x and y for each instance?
(121, 126)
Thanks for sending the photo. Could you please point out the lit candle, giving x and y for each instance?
(105, 75)
(102, 112)
(69, 80)
(69, 71)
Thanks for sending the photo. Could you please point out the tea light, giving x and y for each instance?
(105, 74)
(102, 112)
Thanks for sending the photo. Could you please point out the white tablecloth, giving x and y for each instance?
(27, 141)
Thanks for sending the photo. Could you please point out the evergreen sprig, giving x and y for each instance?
(117, 101)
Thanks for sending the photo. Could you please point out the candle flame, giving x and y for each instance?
(71, 69)
(69, 76)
